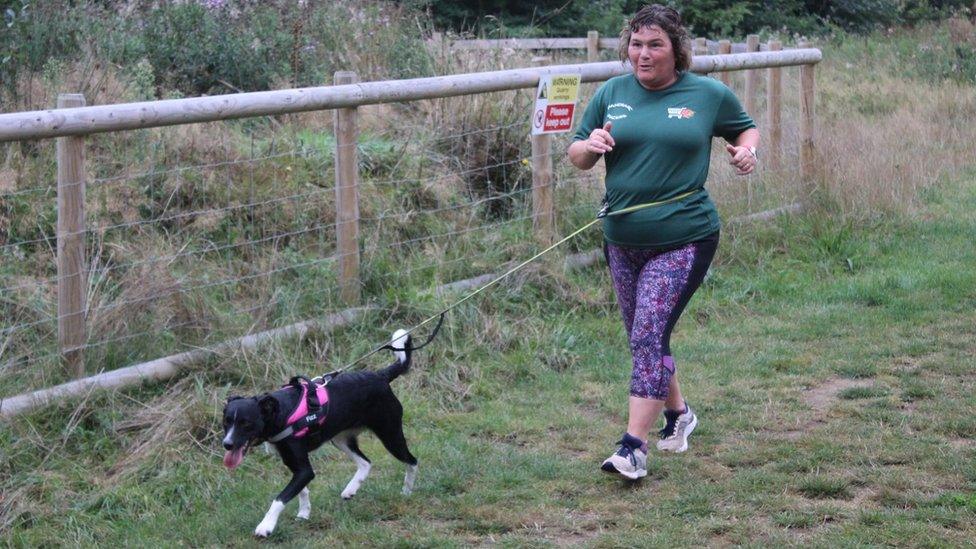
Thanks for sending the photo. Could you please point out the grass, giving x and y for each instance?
(855, 393)
(830, 356)
(510, 426)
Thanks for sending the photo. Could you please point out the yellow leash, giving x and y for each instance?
(603, 213)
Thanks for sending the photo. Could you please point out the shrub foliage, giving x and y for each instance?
(706, 17)
(198, 47)
(195, 47)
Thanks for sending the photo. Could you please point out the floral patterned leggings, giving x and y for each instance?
(653, 286)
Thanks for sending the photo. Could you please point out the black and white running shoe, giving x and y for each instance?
(630, 460)
(677, 427)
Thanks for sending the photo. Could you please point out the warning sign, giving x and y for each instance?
(555, 103)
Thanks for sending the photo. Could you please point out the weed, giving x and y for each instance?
(858, 370)
(855, 393)
(956, 500)
(820, 487)
(914, 391)
(525, 390)
(797, 519)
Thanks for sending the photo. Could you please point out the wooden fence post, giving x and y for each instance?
(724, 48)
(347, 196)
(774, 118)
(808, 151)
(592, 46)
(435, 46)
(72, 274)
(700, 47)
(752, 76)
(543, 205)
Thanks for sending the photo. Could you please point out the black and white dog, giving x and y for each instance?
(356, 401)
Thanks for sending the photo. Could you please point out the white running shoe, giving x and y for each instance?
(629, 461)
(677, 427)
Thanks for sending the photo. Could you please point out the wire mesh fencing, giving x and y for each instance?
(196, 234)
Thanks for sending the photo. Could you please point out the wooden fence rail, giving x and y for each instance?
(152, 114)
(72, 122)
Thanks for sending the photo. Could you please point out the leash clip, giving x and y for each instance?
(326, 378)
(604, 210)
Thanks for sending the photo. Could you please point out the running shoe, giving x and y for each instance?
(677, 427)
(630, 460)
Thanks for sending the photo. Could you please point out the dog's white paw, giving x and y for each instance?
(356, 482)
(270, 520)
(408, 479)
(304, 504)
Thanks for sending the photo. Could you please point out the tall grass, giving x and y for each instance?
(156, 50)
(210, 199)
(887, 140)
(891, 133)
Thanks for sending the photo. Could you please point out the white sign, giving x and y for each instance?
(555, 103)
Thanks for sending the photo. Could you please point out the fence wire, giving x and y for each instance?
(234, 232)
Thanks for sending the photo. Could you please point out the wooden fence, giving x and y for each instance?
(73, 121)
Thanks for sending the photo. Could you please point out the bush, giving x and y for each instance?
(32, 35)
(711, 18)
(861, 15)
(716, 17)
(948, 54)
(199, 47)
(913, 12)
(195, 50)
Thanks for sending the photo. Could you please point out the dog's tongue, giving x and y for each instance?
(233, 458)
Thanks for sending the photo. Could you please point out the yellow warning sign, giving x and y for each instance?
(564, 89)
(555, 103)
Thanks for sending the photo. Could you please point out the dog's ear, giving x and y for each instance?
(233, 397)
(269, 406)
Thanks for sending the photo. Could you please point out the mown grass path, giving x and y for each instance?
(833, 369)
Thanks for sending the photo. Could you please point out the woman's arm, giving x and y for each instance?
(741, 151)
(580, 157)
(748, 138)
(584, 154)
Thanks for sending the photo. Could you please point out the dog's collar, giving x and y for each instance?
(289, 431)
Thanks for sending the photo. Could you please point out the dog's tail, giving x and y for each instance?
(401, 341)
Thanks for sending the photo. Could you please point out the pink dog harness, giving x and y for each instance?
(309, 412)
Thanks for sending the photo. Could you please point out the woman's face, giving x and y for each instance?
(652, 57)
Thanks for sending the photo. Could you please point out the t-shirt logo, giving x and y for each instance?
(680, 112)
(618, 113)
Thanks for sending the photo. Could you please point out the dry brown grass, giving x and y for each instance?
(153, 427)
(879, 162)
(99, 81)
(880, 145)
(881, 139)
(962, 30)
(146, 298)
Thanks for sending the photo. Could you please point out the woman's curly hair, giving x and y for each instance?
(670, 22)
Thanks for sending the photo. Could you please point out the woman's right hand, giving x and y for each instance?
(600, 140)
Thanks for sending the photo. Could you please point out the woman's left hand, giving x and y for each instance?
(742, 158)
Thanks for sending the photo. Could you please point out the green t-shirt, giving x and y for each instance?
(663, 144)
